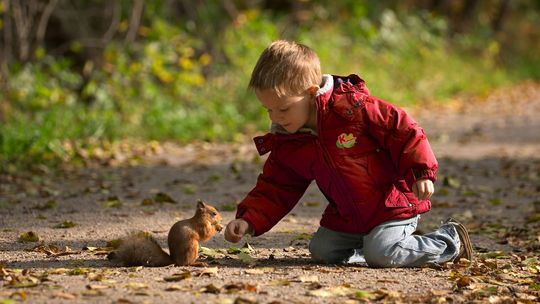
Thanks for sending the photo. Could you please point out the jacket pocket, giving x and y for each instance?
(396, 199)
(380, 168)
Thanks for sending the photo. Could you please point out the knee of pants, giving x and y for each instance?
(379, 256)
(323, 253)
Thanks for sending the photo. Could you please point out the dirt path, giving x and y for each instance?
(489, 155)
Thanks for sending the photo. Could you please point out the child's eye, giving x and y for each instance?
(284, 110)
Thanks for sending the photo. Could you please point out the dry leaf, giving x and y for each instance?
(336, 291)
(92, 293)
(64, 295)
(262, 270)
(29, 236)
(97, 287)
(307, 279)
(178, 277)
(211, 288)
(246, 259)
(235, 287)
(176, 288)
(136, 286)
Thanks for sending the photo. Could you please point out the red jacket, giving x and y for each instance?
(365, 158)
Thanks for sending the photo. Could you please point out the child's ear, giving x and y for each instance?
(312, 90)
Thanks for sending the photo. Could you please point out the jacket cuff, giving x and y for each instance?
(425, 174)
(255, 231)
(415, 174)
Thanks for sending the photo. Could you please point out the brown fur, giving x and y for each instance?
(183, 239)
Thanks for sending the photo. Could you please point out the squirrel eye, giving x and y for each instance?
(213, 213)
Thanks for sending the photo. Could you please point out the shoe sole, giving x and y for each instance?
(465, 241)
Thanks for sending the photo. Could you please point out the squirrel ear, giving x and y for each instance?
(200, 204)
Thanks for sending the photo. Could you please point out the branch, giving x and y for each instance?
(44, 21)
(231, 9)
(134, 20)
(8, 35)
(114, 22)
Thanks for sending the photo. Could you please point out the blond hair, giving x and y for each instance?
(287, 67)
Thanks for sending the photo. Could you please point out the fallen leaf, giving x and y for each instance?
(451, 182)
(29, 236)
(136, 286)
(211, 288)
(176, 288)
(463, 281)
(362, 294)
(95, 287)
(336, 291)
(209, 272)
(205, 251)
(50, 204)
(236, 287)
(280, 282)
(241, 300)
(64, 295)
(262, 270)
(178, 277)
(79, 271)
(190, 189)
(92, 293)
(246, 259)
(112, 202)
(307, 279)
(162, 197)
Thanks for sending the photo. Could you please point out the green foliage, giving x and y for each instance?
(168, 85)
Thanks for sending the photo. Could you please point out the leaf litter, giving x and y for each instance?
(496, 197)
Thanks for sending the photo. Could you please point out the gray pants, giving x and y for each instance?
(390, 244)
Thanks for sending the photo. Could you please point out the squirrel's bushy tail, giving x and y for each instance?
(140, 249)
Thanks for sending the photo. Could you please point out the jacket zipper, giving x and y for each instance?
(334, 173)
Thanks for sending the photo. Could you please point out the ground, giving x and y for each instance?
(489, 179)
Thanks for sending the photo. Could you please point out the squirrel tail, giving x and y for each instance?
(140, 249)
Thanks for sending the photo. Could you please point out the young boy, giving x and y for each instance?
(369, 158)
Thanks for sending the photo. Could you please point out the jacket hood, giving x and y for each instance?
(330, 84)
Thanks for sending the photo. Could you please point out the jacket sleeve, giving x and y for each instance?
(401, 136)
(277, 191)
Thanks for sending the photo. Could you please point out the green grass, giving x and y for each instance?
(149, 95)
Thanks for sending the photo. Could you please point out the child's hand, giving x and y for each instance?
(236, 229)
(423, 189)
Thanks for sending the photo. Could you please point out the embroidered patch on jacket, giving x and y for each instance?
(345, 140)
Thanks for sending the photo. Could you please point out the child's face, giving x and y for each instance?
(291, 112)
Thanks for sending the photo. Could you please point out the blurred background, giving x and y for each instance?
(78, 76)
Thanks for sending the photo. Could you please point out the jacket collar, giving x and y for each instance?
(331, 86)
(323, 94)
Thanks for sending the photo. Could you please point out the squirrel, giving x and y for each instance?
(141, 249)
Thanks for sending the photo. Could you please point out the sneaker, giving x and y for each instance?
(465, 249)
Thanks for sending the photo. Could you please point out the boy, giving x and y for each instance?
(369, 158)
